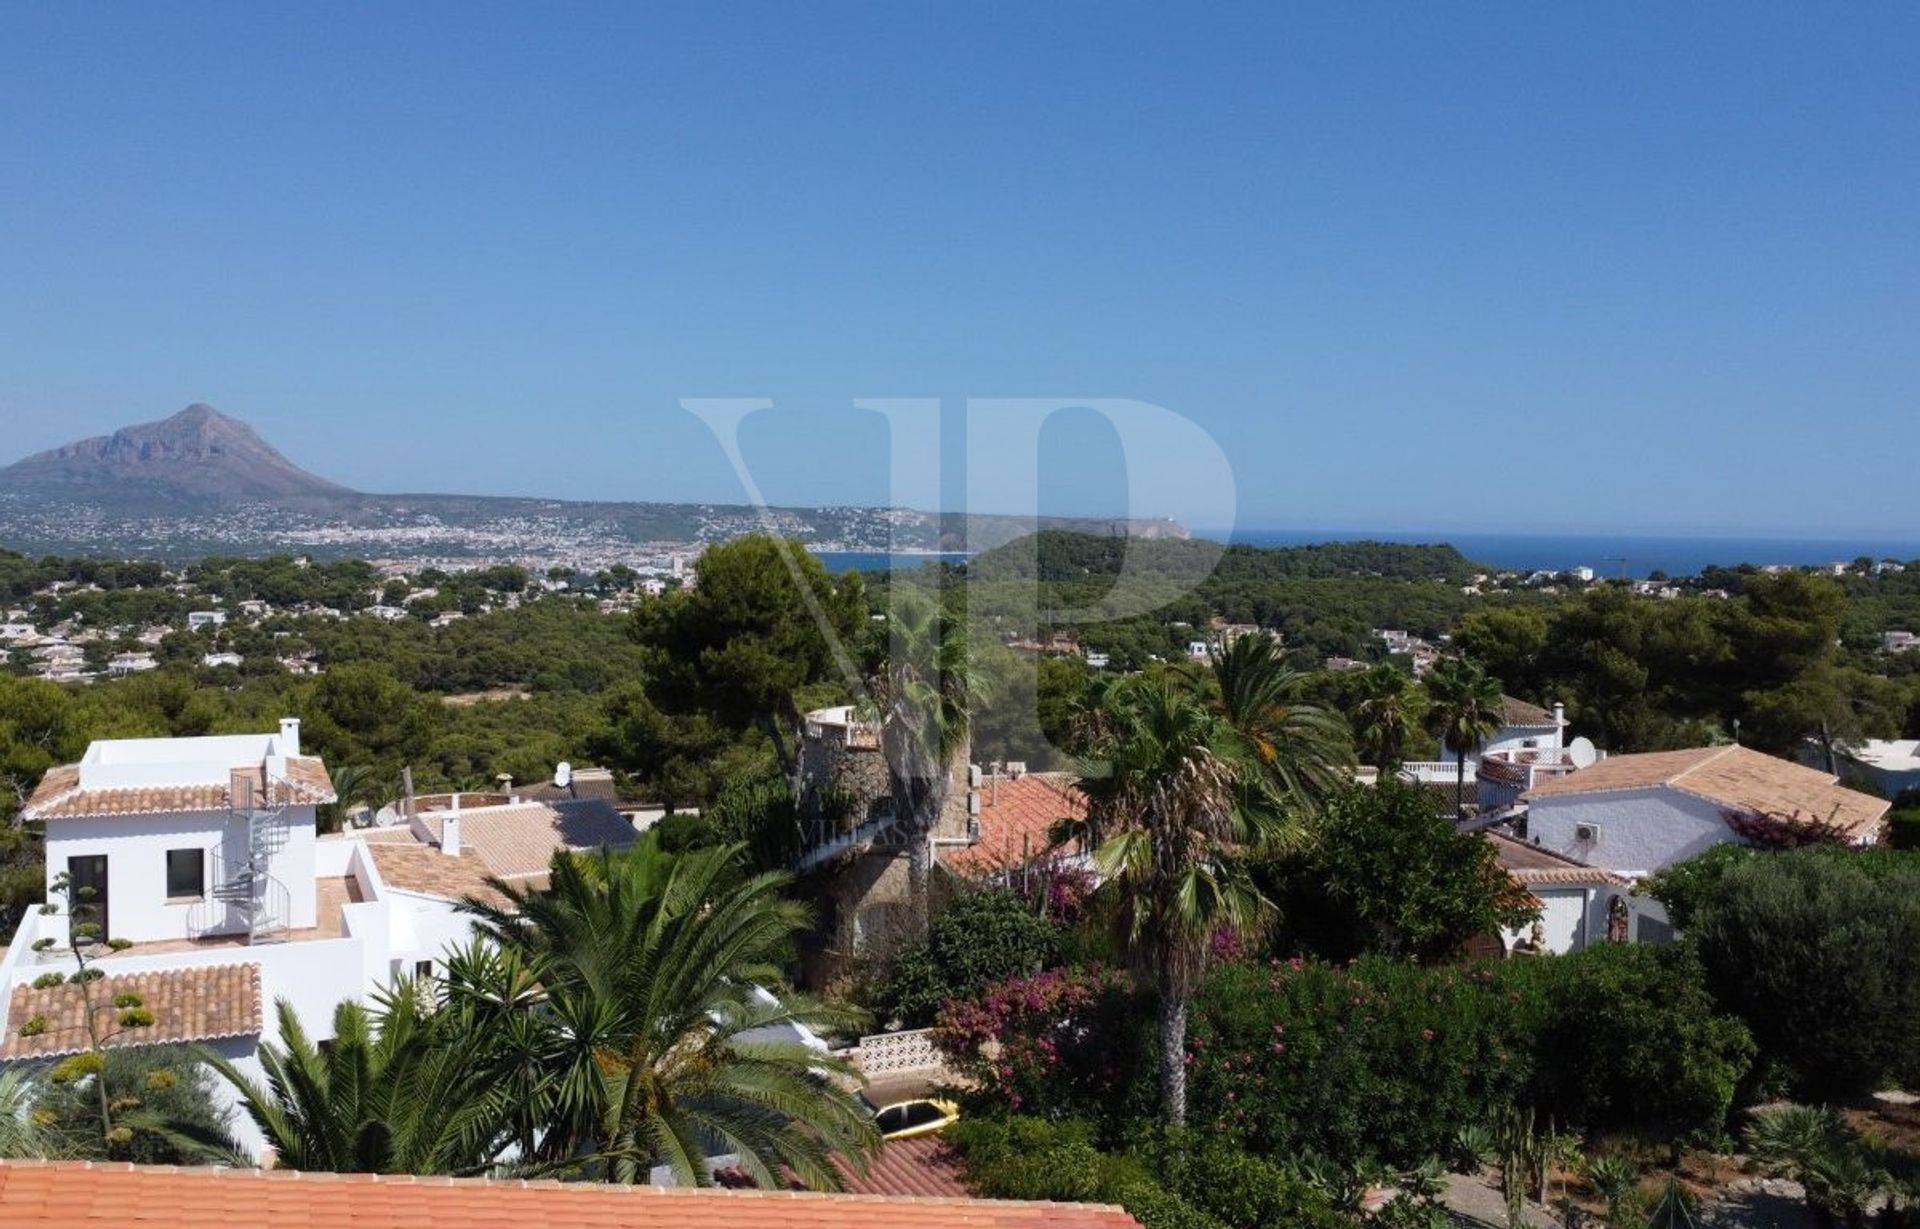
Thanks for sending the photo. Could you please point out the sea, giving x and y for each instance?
(1613, 555)
(1608, 555)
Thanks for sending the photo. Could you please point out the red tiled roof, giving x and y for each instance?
(520, 839)
(61, 796)
(1735, 777)
(1533, 866)
(923, 1168)
(1016, 814)
(424, 869)
(85, 1195)
(201, 1004)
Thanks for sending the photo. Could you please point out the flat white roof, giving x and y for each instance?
(208, 760)
(1899, 755)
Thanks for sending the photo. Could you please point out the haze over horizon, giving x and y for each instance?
(1531, 271)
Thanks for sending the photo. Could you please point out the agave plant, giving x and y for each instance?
(1615, 1176)
(1473, 1148)
(1842, 1174)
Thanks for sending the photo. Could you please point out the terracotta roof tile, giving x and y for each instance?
(82, 1195)
(1515, 712)
(1533, 866)
(1016, 814)
(520, 839)
(201, 1004)
(1738, 778)
(923, 1168)
(424, 869)
(61, 796)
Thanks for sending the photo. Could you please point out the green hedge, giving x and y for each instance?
(1384, 1061)
(1182, 1183)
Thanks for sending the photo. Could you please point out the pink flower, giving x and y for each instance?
(1427, 1033)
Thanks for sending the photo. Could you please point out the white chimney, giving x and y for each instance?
(450, 834)
(289, 736)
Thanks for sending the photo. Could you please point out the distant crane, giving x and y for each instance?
(1619, 559)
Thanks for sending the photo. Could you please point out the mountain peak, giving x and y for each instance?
(197, 454)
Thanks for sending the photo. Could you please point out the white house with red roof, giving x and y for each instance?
(1634, 814)
(221, 897)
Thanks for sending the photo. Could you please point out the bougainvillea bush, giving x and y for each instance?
(1378, 1061)
(1064, 1043)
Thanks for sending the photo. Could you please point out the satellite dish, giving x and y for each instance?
(386, 817)
(1582, 753)
(563, 775)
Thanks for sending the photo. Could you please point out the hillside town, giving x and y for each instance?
(946, 616)
(247, 843)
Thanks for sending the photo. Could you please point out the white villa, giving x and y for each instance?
(203, 854)
(1530, 745)
(1889, 765)
(1634, 814)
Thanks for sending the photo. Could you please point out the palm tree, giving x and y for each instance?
(1302, 751)
(924, 689)
(1387, 716)
(352, 783)
(626, 1013)
(396, 1091)
(1168, 810)
(1467, 710)
(22, 1135)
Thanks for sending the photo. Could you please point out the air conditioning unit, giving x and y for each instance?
(1586, 832)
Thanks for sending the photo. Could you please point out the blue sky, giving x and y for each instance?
(1631, 267)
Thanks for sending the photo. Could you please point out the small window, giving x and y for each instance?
(186, 873)
(423, 968)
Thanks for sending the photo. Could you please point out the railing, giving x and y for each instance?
(893, 1053)
(266, 900)
(1427, 771)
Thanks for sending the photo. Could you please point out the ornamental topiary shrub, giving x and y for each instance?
(48, 979)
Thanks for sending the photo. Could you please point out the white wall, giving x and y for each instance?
(1573, 917)
(1640, 830)
(136, 848)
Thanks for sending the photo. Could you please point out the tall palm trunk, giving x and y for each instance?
(1459, 781)
(1173, 1057)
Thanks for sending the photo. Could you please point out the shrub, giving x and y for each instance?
(1903, 827)
(136, 1017)
(1387, 873)
(981, 937)
(1026, 1158)
(1381, 1061)
(1059, 1044)
(1819, 952)
(34, 1026)
(1626, 1038)
(48, 979)
(1238, 1188)
(171, 1087)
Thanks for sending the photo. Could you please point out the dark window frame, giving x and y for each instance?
(176, 858)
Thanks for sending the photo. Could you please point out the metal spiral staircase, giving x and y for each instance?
(268, 906)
